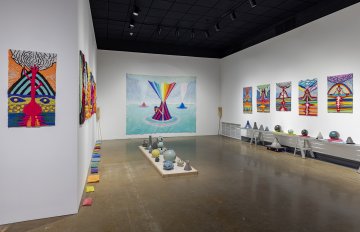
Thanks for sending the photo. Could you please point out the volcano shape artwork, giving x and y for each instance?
(340, 93)
(160, 104)
(283, 96)
(31, 88)
(263, 98)
(247, 100)
(308, 95)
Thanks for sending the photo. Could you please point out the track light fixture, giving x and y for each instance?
(217, 27)
(206, 34)
(136, 11)
(177, 32)
(131, 33)
(132, 23)
(159, 29)
(252, 3)
(192, 34)
(232, 15)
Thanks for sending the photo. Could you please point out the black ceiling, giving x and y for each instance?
(193, 18)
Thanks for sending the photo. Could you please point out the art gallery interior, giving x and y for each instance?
(180, 70)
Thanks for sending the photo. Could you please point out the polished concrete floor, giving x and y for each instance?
(240, 187)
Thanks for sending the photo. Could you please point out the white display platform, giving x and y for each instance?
(177, 171)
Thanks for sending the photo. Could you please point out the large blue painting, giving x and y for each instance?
(160, 104)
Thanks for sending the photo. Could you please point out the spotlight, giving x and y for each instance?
(192, 34)
(252, 3)
(206, 34)
(136, 11)
(132, 23)
(177, 32)
(159, 29)
(217, 27)
(131, 33)
(232, 16)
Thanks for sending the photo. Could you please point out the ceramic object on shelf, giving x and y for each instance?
(170, 155)
(187, 165)
(248, 126)
(150, 149)
(319, 136)
(255, 127)
(349, 141)
(157, 159)
(154, 145)
(180, 163)
(168, 165)
(334, 135)
(160, 139)
(145, 143)
(304, 132)
(277, 128)
(162, 150)
(261, 127)
(160, 144)
(150, 139)
(266, 128)
(155, 153)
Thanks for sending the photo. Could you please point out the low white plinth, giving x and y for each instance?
(177, 171)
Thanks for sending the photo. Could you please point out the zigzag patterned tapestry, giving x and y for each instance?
(31, 88)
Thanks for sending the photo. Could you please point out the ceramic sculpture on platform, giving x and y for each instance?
(160, 144)
(180, 163)
(304, 132)
(150, 149)
(291, 132)
(155, 153)
(255, 127)
(170, 155)
(168, 165)
(334, 135)
(150, 140)
(187, 166)
(155, 145)
(349, 141)
(277, 128)
(145, 143)
(247, 126)
(261, 127)
(160, 139)
(266, 128)
(162, 150)
(319, 136)
(157, 159)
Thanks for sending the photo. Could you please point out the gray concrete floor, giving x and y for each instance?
(240, 187)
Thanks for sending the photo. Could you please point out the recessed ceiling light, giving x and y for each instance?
(132, 23)
(136, 11)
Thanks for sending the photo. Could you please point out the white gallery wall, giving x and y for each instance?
(87, 131)
(43, 169)
(112, 69)
(326, 47)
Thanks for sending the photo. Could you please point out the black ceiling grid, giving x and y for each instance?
(251, 26)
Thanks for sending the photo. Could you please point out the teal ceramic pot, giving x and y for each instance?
(334, 135)
(304, 132)
(160, 144)
(168, 165)
(277, 128)
(169, 155)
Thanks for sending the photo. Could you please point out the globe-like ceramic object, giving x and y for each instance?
(168, 165)
(304, 132)
(277, 128)
(334, 135)
(155, 153)
(169, 155)
(160, 144)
